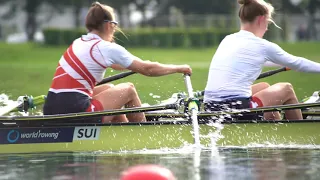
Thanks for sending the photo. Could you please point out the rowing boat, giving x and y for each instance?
(172, 128)
(30, 137)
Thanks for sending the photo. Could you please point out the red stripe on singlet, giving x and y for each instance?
(76, 65)
(65, 81)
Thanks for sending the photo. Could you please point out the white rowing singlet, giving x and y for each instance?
(238, 62)
(85, 62)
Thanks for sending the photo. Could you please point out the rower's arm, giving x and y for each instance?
(149, 68)
(116, 55)
(117, 67)
(271, 64)
(277, 55)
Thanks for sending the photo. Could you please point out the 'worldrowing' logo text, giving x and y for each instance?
(14, 135)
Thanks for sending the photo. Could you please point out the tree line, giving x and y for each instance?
(159, 7)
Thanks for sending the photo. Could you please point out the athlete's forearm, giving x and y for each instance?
(158, 69)
(305, 65)
(148, 68)
(277, 55)
(117, 67)
(271, 64)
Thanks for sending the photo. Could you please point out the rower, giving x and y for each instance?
(239, 60)
(84, 63)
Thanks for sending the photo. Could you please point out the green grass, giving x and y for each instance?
(29, 68)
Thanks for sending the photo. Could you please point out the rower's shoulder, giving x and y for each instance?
(270, 45)
(106, 45)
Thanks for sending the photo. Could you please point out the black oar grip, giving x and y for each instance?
(115, 77)
(269, 73)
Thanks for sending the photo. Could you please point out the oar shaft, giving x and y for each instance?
(272, 72)
(265, 109)
(115, 77)
(193, 111)
(32, 102)
(9, 108)
(38, 100)
(188, 84)
(242, 111)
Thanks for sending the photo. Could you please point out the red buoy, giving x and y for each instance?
(147, 172)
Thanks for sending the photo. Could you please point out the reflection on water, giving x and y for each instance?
(226, 163)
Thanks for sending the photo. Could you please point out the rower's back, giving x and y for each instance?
(236, 64)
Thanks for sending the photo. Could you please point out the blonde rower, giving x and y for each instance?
(84, 63)
(240, 58)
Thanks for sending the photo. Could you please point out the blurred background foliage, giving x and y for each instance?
(163, 19)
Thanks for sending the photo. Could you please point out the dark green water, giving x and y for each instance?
(221, 164)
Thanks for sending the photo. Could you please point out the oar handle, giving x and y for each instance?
(269, 73)
(188, 84)
(115, 77)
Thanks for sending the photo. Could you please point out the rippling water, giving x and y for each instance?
(226, 163)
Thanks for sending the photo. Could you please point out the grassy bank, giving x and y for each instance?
(29, 68)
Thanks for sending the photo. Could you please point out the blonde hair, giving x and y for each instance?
(250, 9)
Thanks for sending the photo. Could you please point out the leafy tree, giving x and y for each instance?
(32, 9)
(205, 6)
(29, 6)
(194, 7)
(310, 8)
(76, 6)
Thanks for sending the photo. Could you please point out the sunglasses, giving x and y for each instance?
(113, 22)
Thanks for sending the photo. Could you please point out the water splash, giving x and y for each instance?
(215, 136)
(197, 164)
(154, 96)
(4, 100)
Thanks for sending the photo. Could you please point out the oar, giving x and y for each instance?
(8, 108)
(264, 109)
(240, 111)
(82, 115)
(272, 72)
(193, 110)
(115, 77)
(29, 102)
